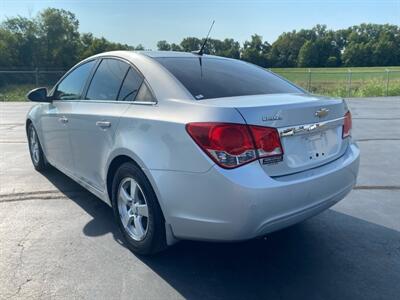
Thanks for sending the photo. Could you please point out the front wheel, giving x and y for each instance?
(35, 149)
(137, 211)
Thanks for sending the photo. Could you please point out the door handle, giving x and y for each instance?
(103, 124)
(63, 120)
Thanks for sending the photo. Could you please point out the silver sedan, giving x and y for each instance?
(189, 146)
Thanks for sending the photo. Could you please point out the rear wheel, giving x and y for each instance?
(35, 149)
(137, 211)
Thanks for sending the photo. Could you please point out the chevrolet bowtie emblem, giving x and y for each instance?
(323, 112)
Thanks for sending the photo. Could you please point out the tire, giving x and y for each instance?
(137, 211)
(35, 150)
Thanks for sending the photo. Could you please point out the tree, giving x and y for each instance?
(138, 47)
(320, 53)
(52, 39)
(372, 45)
(59, 37)
(176, 47)
(332, 61)
(163, 46)
(190, 44)
(91, 45)
(226, 48)
(285, 50)
(256, 51)
(21, 37)
(357, 54)
(308, 55)
(8, 43)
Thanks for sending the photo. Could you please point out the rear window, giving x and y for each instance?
(207, 77)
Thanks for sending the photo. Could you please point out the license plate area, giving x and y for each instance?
(311, 148)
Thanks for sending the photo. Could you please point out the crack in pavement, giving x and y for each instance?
(378, 139)
(41, 195)
(377, 187)
(19, 268)
(376, 119)
(12, 124)
(13, 142)
(58, 195)
(21, 245)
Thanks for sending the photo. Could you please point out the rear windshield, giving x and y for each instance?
(207, 77)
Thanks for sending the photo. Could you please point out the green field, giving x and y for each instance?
(341, 82)
(15, 92)
(341, 69)
(346, 82)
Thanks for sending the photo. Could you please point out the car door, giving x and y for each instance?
(59, 114)
(113, 84)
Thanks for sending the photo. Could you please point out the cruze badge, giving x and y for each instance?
(266, 118)
(323, 112)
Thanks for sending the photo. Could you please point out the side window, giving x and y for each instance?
(144, 94)
(70, 88)
(131, 85)
(107, 80)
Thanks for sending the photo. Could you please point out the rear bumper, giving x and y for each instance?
(238, 204)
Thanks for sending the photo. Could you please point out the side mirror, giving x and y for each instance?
(38, 95)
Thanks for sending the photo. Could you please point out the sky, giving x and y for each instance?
(146, 22)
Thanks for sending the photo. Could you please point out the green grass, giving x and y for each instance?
(365, 82)
(340, 69)
(15, 92)
(360, 82)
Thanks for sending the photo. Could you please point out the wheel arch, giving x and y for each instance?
(115, 163)
(122, 157)
(31, 120)
(113, 166)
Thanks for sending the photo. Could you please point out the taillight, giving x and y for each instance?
(347, 125)
(231, 145)
(267, 141)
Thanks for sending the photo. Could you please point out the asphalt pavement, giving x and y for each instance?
(58, 241)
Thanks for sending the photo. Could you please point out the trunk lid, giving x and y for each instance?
(310, 127)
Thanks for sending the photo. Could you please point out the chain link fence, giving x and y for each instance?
(14, 84)
(347, 83)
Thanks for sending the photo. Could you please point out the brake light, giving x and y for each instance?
(267, 141)
(347, 125)
(231, 145)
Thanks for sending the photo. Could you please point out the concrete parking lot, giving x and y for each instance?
(59, 241)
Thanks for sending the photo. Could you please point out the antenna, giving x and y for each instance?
(201, 51)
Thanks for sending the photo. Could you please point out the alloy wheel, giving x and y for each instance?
(133, 209)
(34, 145)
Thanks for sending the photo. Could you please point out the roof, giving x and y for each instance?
(166, 53)
(156, 54)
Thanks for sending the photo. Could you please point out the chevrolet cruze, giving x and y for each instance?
(189, 146)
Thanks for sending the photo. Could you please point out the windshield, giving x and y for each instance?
(207, 77)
